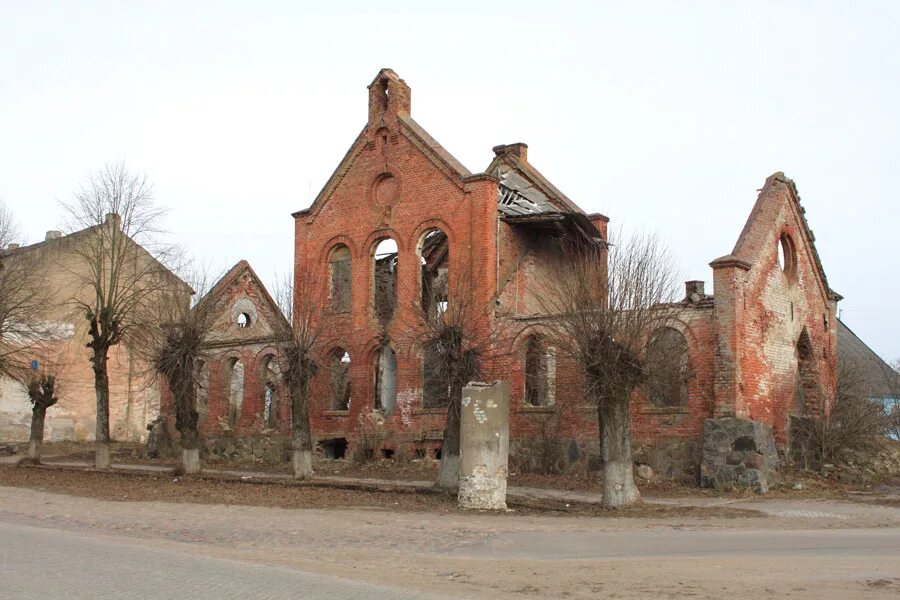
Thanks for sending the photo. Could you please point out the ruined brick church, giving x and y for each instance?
(400, 216)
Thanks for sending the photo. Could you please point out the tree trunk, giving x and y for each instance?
(619, 488)
(101, 386)
(301, 435)
(190, 460)
(186, 423)
(36, 439)
(448, 475)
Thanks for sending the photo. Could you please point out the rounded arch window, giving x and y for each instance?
(539, 372)
(244, 320)
(339, 273)
(433, 251)
(787, 256)
(339, 371)
(385, 275)
(667, 368)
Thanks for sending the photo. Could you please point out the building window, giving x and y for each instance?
(235, 391)
(540, 367)
(340, 271)
(385, 392)
(270, 393)
(667, 368)
(339, 371)
(436, 383)
(385, 268)
(434, 257)
(787, 257)
(202, 391)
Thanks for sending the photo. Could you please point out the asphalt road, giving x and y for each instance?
(36, 562)
(669, 543)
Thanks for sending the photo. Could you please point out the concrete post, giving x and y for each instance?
(484, 445)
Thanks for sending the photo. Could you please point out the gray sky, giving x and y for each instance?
(665, 116)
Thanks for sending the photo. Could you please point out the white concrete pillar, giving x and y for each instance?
(484, 446)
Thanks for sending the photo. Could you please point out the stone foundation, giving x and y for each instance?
(738, 454)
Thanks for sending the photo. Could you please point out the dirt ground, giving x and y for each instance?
(811, 485)
(453, 553)
(231, 491)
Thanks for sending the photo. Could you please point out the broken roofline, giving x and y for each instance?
(513, 156)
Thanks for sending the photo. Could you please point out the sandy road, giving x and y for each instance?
(385, 554)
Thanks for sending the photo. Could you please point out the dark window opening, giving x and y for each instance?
(387, 453)
(437, 453)
(537, 380)
(420, 453)
(385, 279)
(807, 391)
(436, 388)
(340, 267)
(339, 365)
(243, 320)
(334, 449)
(667, 368)
(434, 256)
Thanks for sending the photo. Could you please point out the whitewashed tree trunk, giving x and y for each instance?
(190, 460)
(34, 451)
(448, 475)
(302, 463)
(619, 488)
(102, 455)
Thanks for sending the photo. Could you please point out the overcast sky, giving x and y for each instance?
(665, 116)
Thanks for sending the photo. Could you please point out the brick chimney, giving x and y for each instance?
(388, 96)
(53, 234)
(693, 291)
(114, 220)
(518, 150)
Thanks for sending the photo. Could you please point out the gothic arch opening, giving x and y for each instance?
(434, 258)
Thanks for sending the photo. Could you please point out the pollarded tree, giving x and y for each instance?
(297, 360)
(178, 350)
(25, 333)
(458, 339)
(43, 391)
(119, 271)
(603, 305)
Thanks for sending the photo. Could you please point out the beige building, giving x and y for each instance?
(134, 391)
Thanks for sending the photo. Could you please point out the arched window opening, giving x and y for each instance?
(340, 271)
(270, 393)
(434, 256)
(385, 279)
(202, 392)
(787, 256)
(539, 373)
(385, 380)
(667, 368)
(235, 391)
(243, 320)
(339, 366)
(436, 383)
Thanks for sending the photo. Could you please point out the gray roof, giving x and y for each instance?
(517, 196)
(883, 381)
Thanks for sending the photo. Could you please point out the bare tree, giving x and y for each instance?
(43, 392)
(119, 270)
(855, 420)
(297, 359)
(893, 409)
(459, 339)
(178, 349)
(9, 229)
(602, 314)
